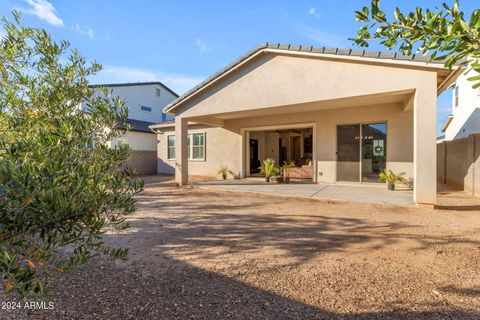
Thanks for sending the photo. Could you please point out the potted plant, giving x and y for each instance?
(223, 171)
(268, 169)
(390, 178)
(286, 170)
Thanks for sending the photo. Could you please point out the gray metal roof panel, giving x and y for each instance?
(306, 48)
(422, 58)
(330, 50)
(357, 53)
(387, 55)
(400, 56)
(318, 49)
(371, 54)
(294, 47)
(344, 52)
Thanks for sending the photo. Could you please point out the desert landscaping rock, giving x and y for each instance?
(199, 254)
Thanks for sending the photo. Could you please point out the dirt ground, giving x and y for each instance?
(200, 254)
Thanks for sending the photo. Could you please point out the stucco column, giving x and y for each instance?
(245, 154)
(181, 155)
(424, 146)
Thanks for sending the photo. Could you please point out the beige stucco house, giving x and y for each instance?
(346, 114)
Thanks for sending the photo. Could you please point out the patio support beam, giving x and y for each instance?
(211, 121)
(181, 155)
(424, 145)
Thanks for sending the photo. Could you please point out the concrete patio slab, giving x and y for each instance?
(361, 193)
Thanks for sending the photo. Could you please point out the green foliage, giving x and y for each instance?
(446, 34)
(287, 166)
(269, 168)
(223, 171)
(61, 186)
(391, 178)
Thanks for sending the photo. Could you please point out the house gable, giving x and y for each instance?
(273, 79)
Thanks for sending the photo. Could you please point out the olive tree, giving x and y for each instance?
(61, 186)
(445, 33)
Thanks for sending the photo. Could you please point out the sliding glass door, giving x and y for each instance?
(348, 153)
(361, 152)
(374, 147)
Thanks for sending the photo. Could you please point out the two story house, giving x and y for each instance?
(465, 117)
(145, 102)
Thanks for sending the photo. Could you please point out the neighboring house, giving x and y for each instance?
(465, 117)
(347, 113)
(145, 102)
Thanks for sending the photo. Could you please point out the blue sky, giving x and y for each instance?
(182, 42)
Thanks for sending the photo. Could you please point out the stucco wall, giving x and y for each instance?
(222, 148)
(466, 115)
(136, 96)
(224, 144)
(138, 140)
(458, 163)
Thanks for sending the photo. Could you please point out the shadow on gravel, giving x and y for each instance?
(198, 226)
(177, 290)
(162, 287)
(473, 292)
(459, 207)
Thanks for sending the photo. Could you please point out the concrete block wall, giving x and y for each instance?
(143, 161)
(458, 163)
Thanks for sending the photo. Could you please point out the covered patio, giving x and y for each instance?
(343, 115)
(376, 194)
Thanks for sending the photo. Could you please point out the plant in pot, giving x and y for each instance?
(286, 170)
(268, 169)
(223, 171)
(390, 178)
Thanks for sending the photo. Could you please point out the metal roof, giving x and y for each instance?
(131, 84)
(308, 49)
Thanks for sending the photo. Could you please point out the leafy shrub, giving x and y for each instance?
(61, 186)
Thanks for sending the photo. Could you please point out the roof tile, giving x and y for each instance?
(330, 50)
(345, 52)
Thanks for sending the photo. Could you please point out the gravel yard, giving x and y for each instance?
(201, 254)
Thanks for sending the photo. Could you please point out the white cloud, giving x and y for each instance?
(180, 83)
(83, 31)
(44, 10)
(314, 12)
(202, 46)
(320, 36)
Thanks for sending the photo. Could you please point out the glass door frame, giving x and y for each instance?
(360, 155)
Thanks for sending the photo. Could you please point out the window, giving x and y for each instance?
(195, 146)
(456, 95)
(198, 146)
(171, 147)
(145, 108)
(157, 91)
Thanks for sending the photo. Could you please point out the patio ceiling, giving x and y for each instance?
(401, 98)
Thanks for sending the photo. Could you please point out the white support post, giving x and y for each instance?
(425, 147)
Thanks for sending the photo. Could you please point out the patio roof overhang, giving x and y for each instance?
(402, 98)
